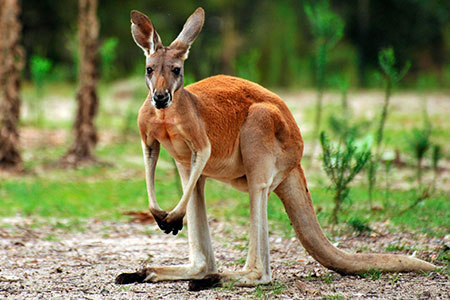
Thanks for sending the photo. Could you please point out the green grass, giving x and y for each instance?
(105, 192)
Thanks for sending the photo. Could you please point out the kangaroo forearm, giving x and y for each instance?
(199, 160)
(151, 155)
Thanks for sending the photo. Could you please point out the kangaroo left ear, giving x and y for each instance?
(144, 33)
(190, 31)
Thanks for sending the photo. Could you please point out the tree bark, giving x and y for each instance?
(11, 63)
(81, 151)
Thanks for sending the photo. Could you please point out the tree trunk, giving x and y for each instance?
(11, 62)
(81, 151)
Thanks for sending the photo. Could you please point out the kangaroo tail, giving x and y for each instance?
(298, 204)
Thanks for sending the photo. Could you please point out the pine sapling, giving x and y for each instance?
(387, 61)
(419, 143)
(341, 164)
(327, 29)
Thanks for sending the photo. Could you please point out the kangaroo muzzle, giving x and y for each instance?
(161, 99)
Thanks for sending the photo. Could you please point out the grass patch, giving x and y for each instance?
(372, 274)
(106, 192)
(268, 290)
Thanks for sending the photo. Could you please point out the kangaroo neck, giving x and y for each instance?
(183, 102)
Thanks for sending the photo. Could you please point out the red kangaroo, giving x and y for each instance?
(238, 132)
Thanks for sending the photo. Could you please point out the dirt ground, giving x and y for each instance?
(55, 260)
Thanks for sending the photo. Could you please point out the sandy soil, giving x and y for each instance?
(49, 263)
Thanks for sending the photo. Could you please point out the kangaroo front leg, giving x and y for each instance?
(151, 154)
(174, 220)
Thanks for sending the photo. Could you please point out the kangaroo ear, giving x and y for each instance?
(144, 33)
(190, 31)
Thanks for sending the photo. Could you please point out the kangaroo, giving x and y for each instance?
(238, 132)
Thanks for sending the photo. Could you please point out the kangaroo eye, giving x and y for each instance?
(176, 71)
(149, 71)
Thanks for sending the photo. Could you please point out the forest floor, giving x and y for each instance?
(54, 260)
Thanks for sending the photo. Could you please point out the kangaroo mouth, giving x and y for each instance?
(162, 103)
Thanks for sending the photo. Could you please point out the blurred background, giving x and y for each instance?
(367, 81)
(268, 41)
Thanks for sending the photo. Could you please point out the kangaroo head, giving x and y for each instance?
(164, 65)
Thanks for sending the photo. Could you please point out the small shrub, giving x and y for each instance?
(419, 143)
(341, 166)
(327, 29)
(372, 274)
(358, 225)
(387, 62)
(395, 247)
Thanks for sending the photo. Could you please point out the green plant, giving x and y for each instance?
(387, 62)
(436, 154)
(395, 278)
(387, 180)
(341, 166)
(395, 246)
(239, 261)
(108, 54)
(419, 143)
(372, 167)
(332, 297)
(359, 225)
(229, 284)
(327, 29)
(263, 291)
(372, 274)
(40, 69)
(328, 278)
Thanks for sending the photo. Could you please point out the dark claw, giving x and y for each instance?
(159, 218)
(210, 281)
(126, 278)
(174, 226)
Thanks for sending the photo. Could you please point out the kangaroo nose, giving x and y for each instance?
(161, 99)
(161, 96)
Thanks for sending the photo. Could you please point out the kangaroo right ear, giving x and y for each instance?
(189, 33)
(144, 33)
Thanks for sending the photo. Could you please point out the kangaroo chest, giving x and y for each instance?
(170, 135)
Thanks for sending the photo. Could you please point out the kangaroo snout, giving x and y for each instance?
(161, 99)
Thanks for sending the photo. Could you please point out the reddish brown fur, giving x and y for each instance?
(208, 98)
